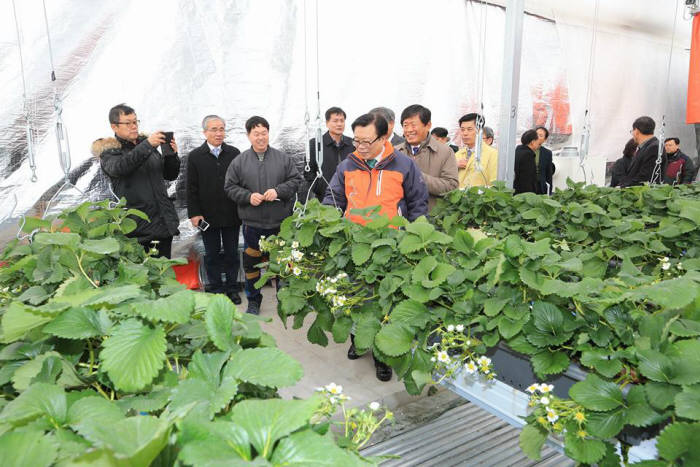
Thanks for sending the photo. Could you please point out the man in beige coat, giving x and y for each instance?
(435, 159)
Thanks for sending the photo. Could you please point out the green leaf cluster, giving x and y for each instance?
(576, 278)
(107, 360)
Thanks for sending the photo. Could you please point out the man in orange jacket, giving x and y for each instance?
(377, 175)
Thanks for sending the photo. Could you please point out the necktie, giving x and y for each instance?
(415, 149)
(216, 151)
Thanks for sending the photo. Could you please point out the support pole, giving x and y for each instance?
(510, 91)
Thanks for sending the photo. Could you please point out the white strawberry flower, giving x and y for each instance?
(432, 359)
(552, 416)
(545, 388)
(374, 406)
(295, 244)
(297, 255)
(664, 259)
(665, 266)
(443, 357)
(459, 328)
(451, 328)
(532, 388)
(544, 400)
(334, 389)
(470, 367)
(468, 342)
(484, 361)
(296, 271)
(339, 300)
(679, 266)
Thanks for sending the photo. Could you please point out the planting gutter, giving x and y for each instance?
(511, 404)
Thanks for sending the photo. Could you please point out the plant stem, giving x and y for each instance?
(92, 356)
(100, 390)
(80, 265)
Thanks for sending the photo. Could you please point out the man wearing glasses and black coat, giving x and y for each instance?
(138, 173)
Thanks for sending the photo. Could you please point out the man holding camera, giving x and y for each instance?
(263, 182)
(138, 173)
(210, 210)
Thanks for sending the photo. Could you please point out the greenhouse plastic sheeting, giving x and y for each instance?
(176, 61)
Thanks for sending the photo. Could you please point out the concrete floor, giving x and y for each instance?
(323, 365)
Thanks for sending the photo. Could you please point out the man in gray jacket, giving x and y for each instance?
(262, 181)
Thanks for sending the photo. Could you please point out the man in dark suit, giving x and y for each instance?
(440, 134)
(525, 168)
(543, 161)
(336, 147)
(644, 161)
(207, 203)
(390, 118)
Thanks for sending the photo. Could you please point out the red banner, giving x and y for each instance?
(693, 113)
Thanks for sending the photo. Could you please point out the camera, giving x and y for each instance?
(165, 148)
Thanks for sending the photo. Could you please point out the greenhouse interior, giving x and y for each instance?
(349, 233)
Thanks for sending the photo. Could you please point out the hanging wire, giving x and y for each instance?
(307, 117)
(63, 145)
(656, 173)
(316, 128)
(26, 110)
(480, 91)
(586, 134)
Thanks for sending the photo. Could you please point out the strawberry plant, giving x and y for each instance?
(606, 279)
(106, 359)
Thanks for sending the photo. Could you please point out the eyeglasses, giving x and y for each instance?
(216, 130)
(133, 123)
(357, 143)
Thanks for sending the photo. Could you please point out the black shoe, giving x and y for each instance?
(254, 306)
(383, 371)
(235, 298)
(352, 353)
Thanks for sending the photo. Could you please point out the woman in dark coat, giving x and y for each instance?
(525, 168)
(622, 165)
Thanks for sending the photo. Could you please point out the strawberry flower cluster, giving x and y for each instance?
(554, 414)
(358, 424)
(668, 269)
(459, 352)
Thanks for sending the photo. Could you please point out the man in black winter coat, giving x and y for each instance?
(207, 203)
(138, 173)
(525, 167)
(644, 161)
(545, 166)
(680, 168)
(336, 147)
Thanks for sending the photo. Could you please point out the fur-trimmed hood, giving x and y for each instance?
(101, 145)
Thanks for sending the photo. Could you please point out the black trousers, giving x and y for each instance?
(215, 263)
(164, 246)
